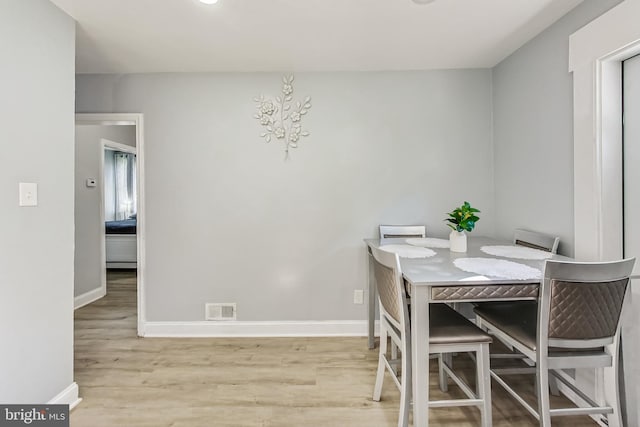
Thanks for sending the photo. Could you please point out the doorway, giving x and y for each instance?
(115, 140)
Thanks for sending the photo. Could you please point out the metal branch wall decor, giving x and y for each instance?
(281, 117)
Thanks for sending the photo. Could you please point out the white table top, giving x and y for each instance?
(439, 270)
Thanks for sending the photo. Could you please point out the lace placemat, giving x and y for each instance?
(520, 252)
(407, 251)
(497, 268)
(428, 242)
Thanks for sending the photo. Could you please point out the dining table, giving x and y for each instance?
(490, 270)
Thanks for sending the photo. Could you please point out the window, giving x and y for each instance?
(122, 182)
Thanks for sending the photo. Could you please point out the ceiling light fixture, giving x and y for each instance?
(209, 1)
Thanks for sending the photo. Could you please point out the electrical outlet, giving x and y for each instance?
(28, 194)
(358, 296)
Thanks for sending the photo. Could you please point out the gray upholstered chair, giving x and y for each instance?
(575, 324)
(449, 332)
(402, 231)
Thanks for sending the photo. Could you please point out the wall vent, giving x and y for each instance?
(220, 311)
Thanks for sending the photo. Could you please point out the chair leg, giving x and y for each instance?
(405, 383)
(442, 374)
(394, 355)
(483, 383)
(377, 389)
(553, 386)
(616, 417)
(542, 391)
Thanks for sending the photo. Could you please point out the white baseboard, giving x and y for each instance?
(328, 328)
(88, 297)
(68, 396)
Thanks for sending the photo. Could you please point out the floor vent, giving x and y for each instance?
(220, 311)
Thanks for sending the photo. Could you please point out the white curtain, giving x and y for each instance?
(125, 185)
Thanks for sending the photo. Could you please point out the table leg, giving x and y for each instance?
(420, 354)
(371, 319)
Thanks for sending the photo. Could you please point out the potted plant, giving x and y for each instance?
(460, 220)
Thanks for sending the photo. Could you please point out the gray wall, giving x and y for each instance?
(88, 269)
(228, 220)
(36, 247)
(533, 131)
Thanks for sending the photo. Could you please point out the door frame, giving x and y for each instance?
(137, 120)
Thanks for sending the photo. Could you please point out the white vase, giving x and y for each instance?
(458, 241)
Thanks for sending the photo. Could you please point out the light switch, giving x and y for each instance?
(28, 193)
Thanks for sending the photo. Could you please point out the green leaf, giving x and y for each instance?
(463, 217)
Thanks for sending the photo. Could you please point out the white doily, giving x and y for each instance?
(520, 252)
(429, 242)
(406, 251)
(497, 268)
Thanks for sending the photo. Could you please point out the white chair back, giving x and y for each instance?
(398, 231)
(535, 240)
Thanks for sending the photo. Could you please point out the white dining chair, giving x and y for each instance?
(536, 240)
(396, 232)
(402, 231)
(533, 240)
(574, 324)
(449, 332)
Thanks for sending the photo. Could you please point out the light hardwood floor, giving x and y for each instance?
(129, 381)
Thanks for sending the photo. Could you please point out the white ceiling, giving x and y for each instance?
(130, 36)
